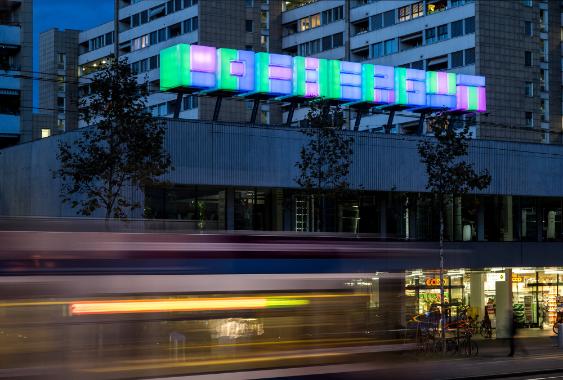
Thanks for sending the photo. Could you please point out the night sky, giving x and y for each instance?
(66, 14)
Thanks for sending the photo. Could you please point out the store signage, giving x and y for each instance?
(196, 68)
(435, 282)
(494, 277)
(516, 278)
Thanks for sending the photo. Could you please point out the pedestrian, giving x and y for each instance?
(513, 333)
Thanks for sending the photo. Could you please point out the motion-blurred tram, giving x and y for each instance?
(128, 305)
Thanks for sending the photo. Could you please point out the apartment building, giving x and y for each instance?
(516, 45)
(58, 90)
(16, 64)
(148, 26)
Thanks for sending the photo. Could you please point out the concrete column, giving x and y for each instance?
(458, 227)
(481, 222)
(383, 217)
(230, 209)
(503, 299)
(477, 292)
(507, 222)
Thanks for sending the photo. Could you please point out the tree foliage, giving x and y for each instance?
(123, 146)
(326, 158)
(447, 173)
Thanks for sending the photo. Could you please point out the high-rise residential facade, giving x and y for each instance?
(58, 92)
(146, 27)
(516, 45)
(16, 65)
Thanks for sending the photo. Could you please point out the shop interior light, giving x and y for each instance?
(415, 273)
(523, 270)
(456, 272)
(496, 269)
(553, 271)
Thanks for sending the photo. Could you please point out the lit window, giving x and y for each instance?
(417, 10)
(316, 20)
(405, 13)
(304, 24)
(45, 133)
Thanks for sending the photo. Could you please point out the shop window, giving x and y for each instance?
(551, 226)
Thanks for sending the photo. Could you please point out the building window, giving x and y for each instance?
(527, 58)
(443, 32)
(470, 25)
(140, 43)
(430, 35)
(527, 3)
(457, 28)
(264, 41)
(469, 56)
(175, 30)
(61, 124)
(109, 38)
(61, 61)
(376, 22)
(390, 46)
(529, 89)
(417, 9)
(389, 18)
(249, 3)
(377, 50)
(45, 133)
(316, 20)
(61, 104)
(529, 119)
(419, 65)
(457, 59)
(248, 25)
(405, 13)
(434, 6)
(528, 28)
(332, 15)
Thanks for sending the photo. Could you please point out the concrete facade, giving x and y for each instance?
(16, 84)
(58, 93)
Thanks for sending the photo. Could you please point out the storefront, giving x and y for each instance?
(537, 293)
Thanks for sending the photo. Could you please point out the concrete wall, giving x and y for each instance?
(205, 153)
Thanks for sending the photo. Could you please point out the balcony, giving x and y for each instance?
(10, 35)
(9, 82)
(9, 124)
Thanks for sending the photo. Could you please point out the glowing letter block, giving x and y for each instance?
(274, 74)
(471, 94)
(440, 89)
(345, 80)
(378, 84)
(235, 71)
(309, 76)
(188, 66)
(410, 87)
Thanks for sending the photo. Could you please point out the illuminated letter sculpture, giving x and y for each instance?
(274, 74)
(378, 84)
(190, 67)
(235, 70)
(440, 90)
(410, 87)
(471, 93)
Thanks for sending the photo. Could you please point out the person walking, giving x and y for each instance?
(513, 333)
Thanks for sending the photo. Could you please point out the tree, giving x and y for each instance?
(123, 146)
(325, 159)
(448, 175)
